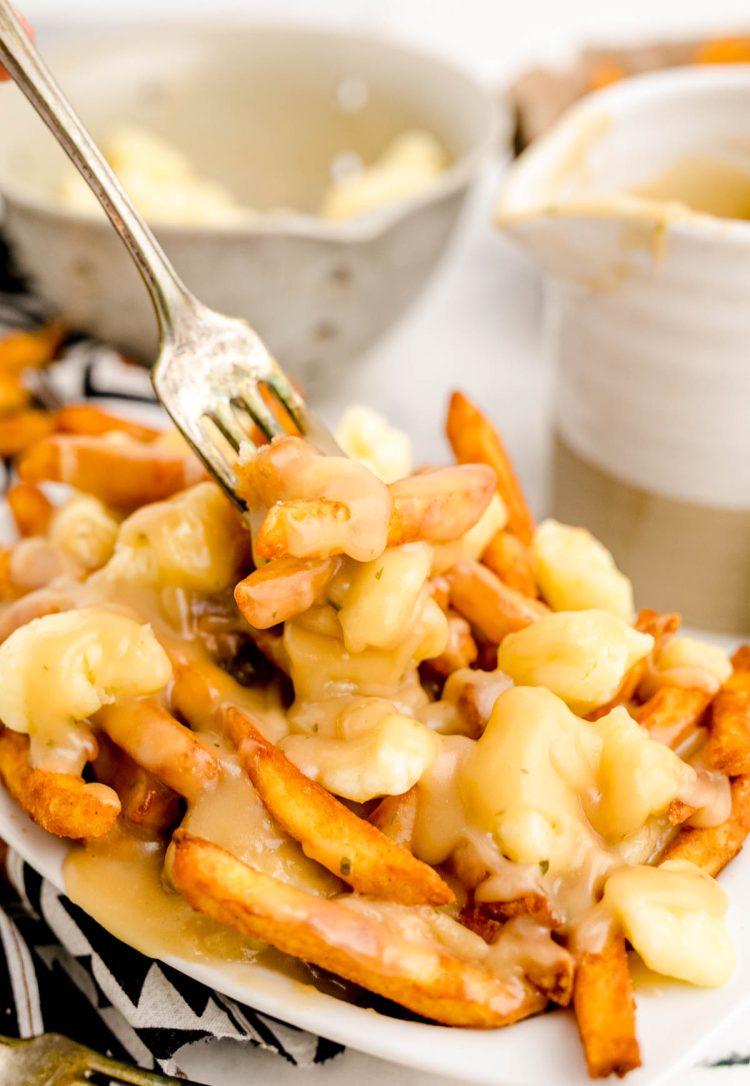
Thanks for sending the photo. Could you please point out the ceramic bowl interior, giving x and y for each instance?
(268, 111)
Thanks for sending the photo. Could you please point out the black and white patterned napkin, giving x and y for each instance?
(59, 969)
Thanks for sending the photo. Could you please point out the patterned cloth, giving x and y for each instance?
(59, 969)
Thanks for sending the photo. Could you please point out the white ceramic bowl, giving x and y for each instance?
(259, 109)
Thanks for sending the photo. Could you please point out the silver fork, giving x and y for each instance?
(210, 366)
(53, 1060)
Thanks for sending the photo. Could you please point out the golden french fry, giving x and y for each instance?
(713, 847)
(439, 506)
(61, 803)
(510, 560)
(333, 936)
(317, 516)
(146, 802)
(605, 1010)
(673, 713)
(19, 431)
(30, 350)
(159, 743)
(396, 816)
(728, 747)
(31, 508)
(14, 395)
(491, 606)
(84, 418)
(282, 589)
(660, 627)
(475, 440)
(327, 830)
(125, 472)
(7, 588)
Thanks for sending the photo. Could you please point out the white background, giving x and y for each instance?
(493, 37)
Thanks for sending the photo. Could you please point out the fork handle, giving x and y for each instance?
(19, 56)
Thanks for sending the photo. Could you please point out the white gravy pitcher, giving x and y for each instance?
(637, 207)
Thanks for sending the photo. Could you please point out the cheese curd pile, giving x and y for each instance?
(166, 186)
(507, 753)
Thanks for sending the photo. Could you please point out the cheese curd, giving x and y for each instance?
(582, 656)
(194, 541)
(367, 437)
(85, 529)
(524, 779)
(675, 917)
(576, 572)
(637, 776)
(322, 667)
(408, 165)
(686, 661)
(380, 757)
(160, 179)
(60, 669)
(381, 596)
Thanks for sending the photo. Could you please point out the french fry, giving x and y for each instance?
(14, 395)
(31, 508)
(61, 803)
(19, 431)
(673, 713)
(126, 472)
(327, 830)
(396, 816)
(7, 588)
(146, 802)
(510, 560)
(283, 589)
(159, 743)
(605, 1010)
(319, 518)
(85, 419)
(728, 746)
(488, 604)
(713, 847)
(474, 440)
(439, 506)
(30, 350)
(660, 627)
(348, 942)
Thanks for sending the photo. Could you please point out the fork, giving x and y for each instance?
(210, 368)
(53, 1060)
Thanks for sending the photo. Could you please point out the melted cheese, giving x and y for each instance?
(576, 572)
(59, 669)
(582, 656)
(674, 915)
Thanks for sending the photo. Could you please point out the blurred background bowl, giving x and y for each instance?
(266, 111)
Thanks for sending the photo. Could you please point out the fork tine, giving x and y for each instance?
(225, 419)
(251, 398)
(278, 383)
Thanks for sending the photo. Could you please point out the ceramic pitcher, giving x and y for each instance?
(637, 208)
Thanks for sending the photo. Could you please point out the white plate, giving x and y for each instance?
(674, 1023)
